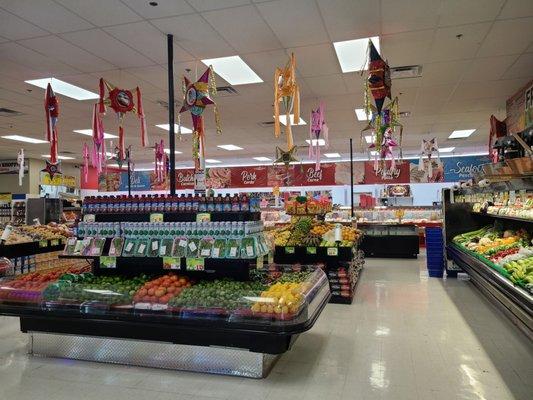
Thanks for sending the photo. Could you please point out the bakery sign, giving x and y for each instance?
(184, 178)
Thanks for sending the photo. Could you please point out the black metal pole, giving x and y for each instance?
(129, 173)
(351, 177)
(171, 133)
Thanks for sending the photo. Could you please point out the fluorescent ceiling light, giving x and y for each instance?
(113, 165)
(109, 154)
(332, 155)
(369, 139)
(461, 133)
(166, 127)
(352, 54)
(211, 161)
(233, 70)
(374, 153)
(314, 142)
(58, 157)
(89, 132)
(142, 169)
(64, 88)
(229, 147)
(24, 139)
(283, 120)
(446, 149)
(361, 114)
(262, 158)
(175, 151)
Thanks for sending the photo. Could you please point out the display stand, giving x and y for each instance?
(390, 240)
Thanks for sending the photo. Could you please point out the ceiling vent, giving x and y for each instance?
(6, 112)
(409, 71)
(405, 114)
(266, 124)
(225, 91)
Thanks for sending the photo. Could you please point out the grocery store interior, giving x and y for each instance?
(266, 199)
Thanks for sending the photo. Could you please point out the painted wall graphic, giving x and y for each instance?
(423, 176)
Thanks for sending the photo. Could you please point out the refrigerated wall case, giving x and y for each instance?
(459, 217)
(101, 316)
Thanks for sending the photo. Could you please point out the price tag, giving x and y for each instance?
(203, 217)
(289, 250)
(43, 243)
(171, 263)
(249, 251)
(216, 252)
(156, 217)
(6, 233)
(512, 197)
(64, 241)
(182, 243)
(108, 262)
(163, 249)
(310, 250)
(333, 251)
(205, 253)
(155, 245)
(195, 264)
(54, 242)
(88, 218)
(192, 246)
(141, 248)
(129, 247)
(260, 262)
(232, 251)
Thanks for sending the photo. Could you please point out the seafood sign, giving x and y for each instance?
(463, 168)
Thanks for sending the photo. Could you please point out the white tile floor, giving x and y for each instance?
(405, 337)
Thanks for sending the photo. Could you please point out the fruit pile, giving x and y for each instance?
(46, 232)
(280, 299)
(305, 231)
(521, 272)
(162, 289)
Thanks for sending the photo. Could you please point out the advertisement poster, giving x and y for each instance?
(279, 175)
(218, 178)
(184, 179)
(417, 176)
(58, 180)
(307, 175)
(462, 168)
(249, 176)
(400, 174)
(342, 173)
(11, 167)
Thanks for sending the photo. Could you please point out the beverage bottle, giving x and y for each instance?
(226, 205)
(202, 205)
(195, 203)
(210, 204)
(235, 204)
(244, 202)
(181, 203)
(218, 203)
(188, 203)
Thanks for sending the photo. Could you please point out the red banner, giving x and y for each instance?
(185, 179)
(400, 174)
(307, 175)
(244, 177)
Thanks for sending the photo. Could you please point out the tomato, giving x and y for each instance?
(151, 291)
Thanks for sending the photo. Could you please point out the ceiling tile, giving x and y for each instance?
(508, 37)
(488, 68)
(326, 85)
(432, 97)
(165, 8)
(195, 35)
(15, 28)
(115, 12)
(408, 15)
(348, 19)
(105, 46)
(295, 22)
(439, 73)
(407, 48)
(265, 63)
(446, 46)
(458, 12)
(522, 68)
(307, 56)
(516, 9)
(61, 50)
(479, 90)
(47, 15)
(206, 5)
(148, 40)
(155, 75)
(251, 34)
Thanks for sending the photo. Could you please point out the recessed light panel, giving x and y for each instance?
(212, 161)
(89, 132)
(64, 88)
(315, 142)
(461, 134)
(59, 157)
(166, 127)
(229, 147)
(369, 139)
(332, 155)
(352, 54)
(262, 158)
(233, 70)
(25, 139)
(361, 114)
(283, 120)
(446, 149)
(175, 151)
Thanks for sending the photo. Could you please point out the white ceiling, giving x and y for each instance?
(464, 80)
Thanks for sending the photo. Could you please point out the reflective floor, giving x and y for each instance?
(405, 337)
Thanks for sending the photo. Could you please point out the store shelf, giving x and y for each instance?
(179, 216)
(507, 217)
(311, 255)
(514, 301)
(30, 248)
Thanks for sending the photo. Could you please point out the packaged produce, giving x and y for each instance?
(233, 248)
(192, 247)
(180, 247)
(115, 248)
(219, 248)
(165, 249)
(206, 247)
(129, 248)
(141, 247)
(248, 247)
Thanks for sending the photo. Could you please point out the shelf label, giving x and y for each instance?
(260, 262)
(54, 242)
(195, 264)
(88, 218)
(156, 217)
(289, 250)
(108, 262)
(205, 252)
(310, 250)
(333, 251)
(216, 252)
(249, 251)
(171, 263)
(232, 251)
(203, 217)
(43, 243)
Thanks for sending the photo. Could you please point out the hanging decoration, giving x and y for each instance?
(196, 96)
(121, 102)
(98, 153)
(317, 130)
(384, 119)
(160, 162)
(51, 107)
(498, 129)
(20, 162)
(285, 157)
(286, 92)
(428, 148)
(86, 156)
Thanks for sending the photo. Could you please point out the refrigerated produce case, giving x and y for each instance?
(488, 267)
(210, 314)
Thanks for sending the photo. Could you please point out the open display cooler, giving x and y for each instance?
(208, 314)
(494, 247)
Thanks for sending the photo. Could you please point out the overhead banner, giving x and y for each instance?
(58, 180)
(11, 167)
(400, 173)
(249, 177)
(463, 168)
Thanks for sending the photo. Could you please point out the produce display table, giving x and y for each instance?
(390, 240)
